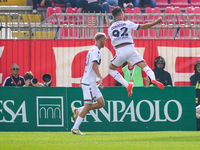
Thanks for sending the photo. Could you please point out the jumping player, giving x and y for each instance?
(88, 83)
(121, 39)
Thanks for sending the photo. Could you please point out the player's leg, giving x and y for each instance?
(136, 59)
(99, 98)
(116, 62)
(151, 74)
(96, 93)
(75, 129)
(88, 99)
(116, 75)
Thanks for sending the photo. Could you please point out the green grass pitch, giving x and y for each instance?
(179, 140)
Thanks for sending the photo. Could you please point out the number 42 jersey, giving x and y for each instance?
(120, 32)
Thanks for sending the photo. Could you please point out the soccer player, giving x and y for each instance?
(89, 85)
(121, 39)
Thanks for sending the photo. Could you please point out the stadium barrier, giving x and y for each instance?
(49, 109)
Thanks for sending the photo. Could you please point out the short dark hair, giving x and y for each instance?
(28, 75)
(116, 11)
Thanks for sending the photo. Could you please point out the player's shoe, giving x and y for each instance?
(129, 89)
(74, 114)
(158, 84)
(77, 131)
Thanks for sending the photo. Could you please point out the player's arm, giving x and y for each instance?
(149, 25)
(96, 70)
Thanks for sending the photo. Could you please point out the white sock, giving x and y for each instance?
(77, 123)
(80, 108)
(149, 72)
(117, 76)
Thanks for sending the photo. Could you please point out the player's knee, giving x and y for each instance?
(101, 103)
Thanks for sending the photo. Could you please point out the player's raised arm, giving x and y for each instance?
(149, 25)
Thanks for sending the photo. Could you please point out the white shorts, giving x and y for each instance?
(126, 53)
(90, 92)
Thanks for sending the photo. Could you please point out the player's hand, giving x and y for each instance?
(159, 20)
(101, 83)
(130, 5)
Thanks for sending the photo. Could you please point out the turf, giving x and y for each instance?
(100, 140)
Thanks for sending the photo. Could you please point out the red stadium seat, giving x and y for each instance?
(194, 19)
(185, 33)
(167, 32)
(50, 11)
(54, 20)
(195, 3)
(134, 18)
(70, 19)
(58, 10)
(173, 18)
(67, 33)
(197, 11)
(153, 14)
(149, 33)
(162, 3)
(180, 3)
(149, 17)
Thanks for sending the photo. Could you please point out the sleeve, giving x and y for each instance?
(23, 81)
(144, 75)
(96, 56)
(132, 25)
(5, 82)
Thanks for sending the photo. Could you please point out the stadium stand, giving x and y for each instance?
(185, 33)
(195, 3)
(134, 18)
(179, 3)
(162, 3)
(194, 12)
(71, 19)
(173, 15)
(152, 14)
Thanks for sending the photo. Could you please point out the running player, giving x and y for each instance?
(88, 83)
(121, 39)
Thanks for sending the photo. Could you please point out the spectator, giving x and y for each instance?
(93, 6)
(30, 81)
(135, 74)
(14, 79)
(161, 75)
(42, 3)
(195, 78)
(125, 3)
(68, 3)
(112, 3)
(136, 3)
(195, 81)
